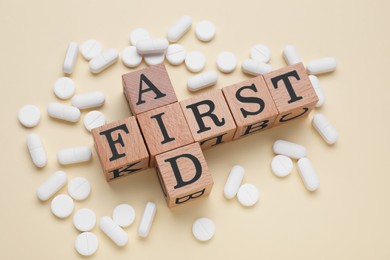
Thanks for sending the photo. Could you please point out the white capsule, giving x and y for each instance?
(103, 61)
(205, 31)
(202, 80)
(90, 49)
(63, 112)
(74, 155)
(113, 231)
(29, 116)
(320, 66)
(255, 68)
(176, 54)
(179, 29)
(130, 57)
(317, 88)
(86, 243)
(248, 195)
(147, 219)
(94, 119)
(290, 55)
(152, 46)
(79, 188)
(70, 57)
(308, 174)
(325, 129)
(138, 34)
(233, 182)
(62, 206)
(154, 59)
(88, 100)
(36, 149)
(281, 165)
(64, 88)
(195, 61)
(226, 62)
(203, 229)
(261, 53)
(52, 185)
(289, 149)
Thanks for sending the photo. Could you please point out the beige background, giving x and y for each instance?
(347, 218)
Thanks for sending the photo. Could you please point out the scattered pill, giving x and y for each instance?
(205, 31)
(290, 55)
(282, 165)
(70, 58)
(179, 29)
(64, 88)
(79, 188)
(94, 119)
(226, 62)
(195, 61)
(52, 185)
(36, 149)
(154, 59)
(325, 129)
(261, 53)
(62, 206)
(317, 88)
(138, 34)
(320, 66)
(84, 220)
(176, 54)
(90, 49)
(130, 57)
(88, 100)
(29, 116)
(63, 112)
(103, 60)
(113, 231)
(123, 215)
(248, 195)
(147, 219)
(308, 174)
(202, 80)
(203, 229)
(289, 149)
(74, 155)
(152, 46)
(86, 243)
(233, 182)
(255, 68)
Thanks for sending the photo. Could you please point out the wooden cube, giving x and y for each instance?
(251, 105)
(292, 92)
(209, 119)
(183, 175)
(120, 148)
(148, 89)
(164, 129)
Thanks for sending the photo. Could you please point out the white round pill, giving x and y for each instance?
(226, 62)
(79, 188)
(154, 59)
(281, 165)
(94, 119)
(62, 206)
(64, 88)
(90, 49)
(138, 34)
(248, 195)
(123, 215)
(175, 54)
(29, 115)
(130, 57)
(203, 229)
(86, 243)
(84, 220)
(261, 53)
(195, 61)
(205, 31)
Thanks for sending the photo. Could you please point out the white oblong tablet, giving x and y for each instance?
(147, 219)
(103, 61)
(233, 182)
(255, 68)
(205, 31)
(152, 46)
(226, 62)
(90, 49)
(94, 119)
(63, 112)
(62, 206)
(29, 116)
(317, 88)
(320, 66)
(79, 188)
(154, 59)
(37, 150)
(86, 243)
(138, 34)
(261, 53)
(202, 80)
(179, 28)
(113, 231)
(70, 58)
(195, 61)
(203, 229)
(84, 220)
(175, 54)
(123, 215)
(290, 55)
(289, 149)
(47, 189)
(64, 88)
(248, 195)
(89, 100)
(325, 129)
(74, 155)
(130, 57)
(308, 174)
(281, 165)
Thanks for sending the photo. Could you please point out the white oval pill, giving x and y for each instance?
(176, 54)
(226, 62)
(203, 229)
(195, 61)
(63, 112)
(325, 129)
(52, 185)
(64, 88)
(123, 215)
(62, 206)
(147, 219)
(130, 57)
(248, 195)
(179, 28)
(203, 80)
(103, 61)
(154, 59)
(36, 149)
(74, 155)
(113, 231)
(90, 49)
(255, 68)
(233, 182)
(289, 149)
(84, 220)
(290, 55)
(205, 31)
(94, 119)
(29, 116)
(317, 88)
(152, 46)
(138, 34)
(86, 243)
(320, 66)
(79, 188)
(70, 58)
(88, 100)
(261, 53)
(308, 174)
(281, 165)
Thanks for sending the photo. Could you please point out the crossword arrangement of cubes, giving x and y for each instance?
(169, 135)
